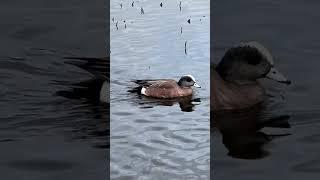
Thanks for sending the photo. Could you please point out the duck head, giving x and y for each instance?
(188, 81)
(248, 62)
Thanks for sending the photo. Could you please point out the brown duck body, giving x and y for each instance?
(231, 96)
(165, 88)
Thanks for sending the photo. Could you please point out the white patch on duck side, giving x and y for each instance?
(104, 92)
(195, 103)
(263, 50)
(193, 79)
(143, 90)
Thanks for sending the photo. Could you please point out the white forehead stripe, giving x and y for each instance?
(193, 79)
(263, 50)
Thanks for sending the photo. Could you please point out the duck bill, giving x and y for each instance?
(196, 85)
(274, 74)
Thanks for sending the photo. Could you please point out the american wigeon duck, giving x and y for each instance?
(234, 82)
(167, 88)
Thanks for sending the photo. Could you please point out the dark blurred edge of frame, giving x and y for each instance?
(107, 48)
(211, 61)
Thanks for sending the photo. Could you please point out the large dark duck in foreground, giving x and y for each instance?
(234, 82)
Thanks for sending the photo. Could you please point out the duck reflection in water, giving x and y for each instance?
(186, 104)
(242, 131)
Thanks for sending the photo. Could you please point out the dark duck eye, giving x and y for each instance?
(189, 79)
(252, 56)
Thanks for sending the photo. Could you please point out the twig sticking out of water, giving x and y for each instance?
(132, 3)
(121, 5)
(189, 21)
(125, 26)
(161, 4)
(112, 19)
(181, 30)
(185, 48)
(117, 25)
(180, 6)
(142, 11)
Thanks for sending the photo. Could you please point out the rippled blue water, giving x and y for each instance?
(289, 30)
(150, 139)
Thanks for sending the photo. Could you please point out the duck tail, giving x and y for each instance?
(141, 82)
(136, 90)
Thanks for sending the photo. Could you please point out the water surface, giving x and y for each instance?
(43, 135)
(156, 139)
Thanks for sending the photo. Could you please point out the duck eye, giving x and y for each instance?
(188, 80)
(253, 56)
(253, 59)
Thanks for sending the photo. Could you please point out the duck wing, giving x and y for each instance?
(94, 89)
(164, 84)
(149, 82)
(99, 67)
